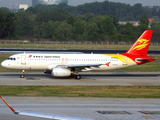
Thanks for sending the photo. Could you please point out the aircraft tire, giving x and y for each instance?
(21, 76)
(78, 77)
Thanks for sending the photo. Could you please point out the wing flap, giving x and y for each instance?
(84, 65)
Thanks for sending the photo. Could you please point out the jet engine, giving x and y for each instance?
(60, 72)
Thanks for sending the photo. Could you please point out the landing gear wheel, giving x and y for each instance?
(78, 77)
(21, 76)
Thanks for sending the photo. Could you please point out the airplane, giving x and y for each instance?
(65, 65)
(43, 115)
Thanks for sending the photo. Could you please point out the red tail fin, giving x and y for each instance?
(141, 46)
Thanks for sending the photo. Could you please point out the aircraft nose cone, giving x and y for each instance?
(4, 64)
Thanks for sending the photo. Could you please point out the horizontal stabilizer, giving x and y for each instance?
(144, 59)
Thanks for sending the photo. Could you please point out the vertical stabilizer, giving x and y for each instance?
(141, 46)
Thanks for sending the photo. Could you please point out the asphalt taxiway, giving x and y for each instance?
(97, 78)
(94, 108)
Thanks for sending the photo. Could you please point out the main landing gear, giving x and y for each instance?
(75, 74)
(78, 77)
(22, 75)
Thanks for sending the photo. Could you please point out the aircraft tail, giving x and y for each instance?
(141, 46)
(138, 52)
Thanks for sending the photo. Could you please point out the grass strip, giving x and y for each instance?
(82, 91)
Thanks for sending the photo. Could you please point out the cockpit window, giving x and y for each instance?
(11, 59)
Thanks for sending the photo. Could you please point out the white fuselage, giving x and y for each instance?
(48, 61)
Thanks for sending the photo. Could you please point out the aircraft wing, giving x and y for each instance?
(43, 115)
(48, 116)
(83, 65)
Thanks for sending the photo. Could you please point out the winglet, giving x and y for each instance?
(8, 104)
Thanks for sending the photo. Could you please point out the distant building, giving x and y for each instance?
(48, 2)
(23, 6)
(135, 23)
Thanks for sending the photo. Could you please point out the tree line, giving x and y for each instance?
(61, 22)
(122, 11)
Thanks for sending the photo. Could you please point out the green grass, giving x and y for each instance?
(50, 46)
(149, 67)
(83, 91)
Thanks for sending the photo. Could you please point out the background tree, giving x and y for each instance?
(91, 31)
(9, 25)
(107, 26)
(80, 26)
(90, 21)
(156, 34)
(24, 24)
(71, 19)
(64, 32)
(144, 19)
(2, 22)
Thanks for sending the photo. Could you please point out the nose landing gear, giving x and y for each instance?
(22, 75)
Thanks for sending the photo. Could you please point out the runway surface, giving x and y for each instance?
(95, 108)
(97, 78)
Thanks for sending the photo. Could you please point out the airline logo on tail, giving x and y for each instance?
(142, 44)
